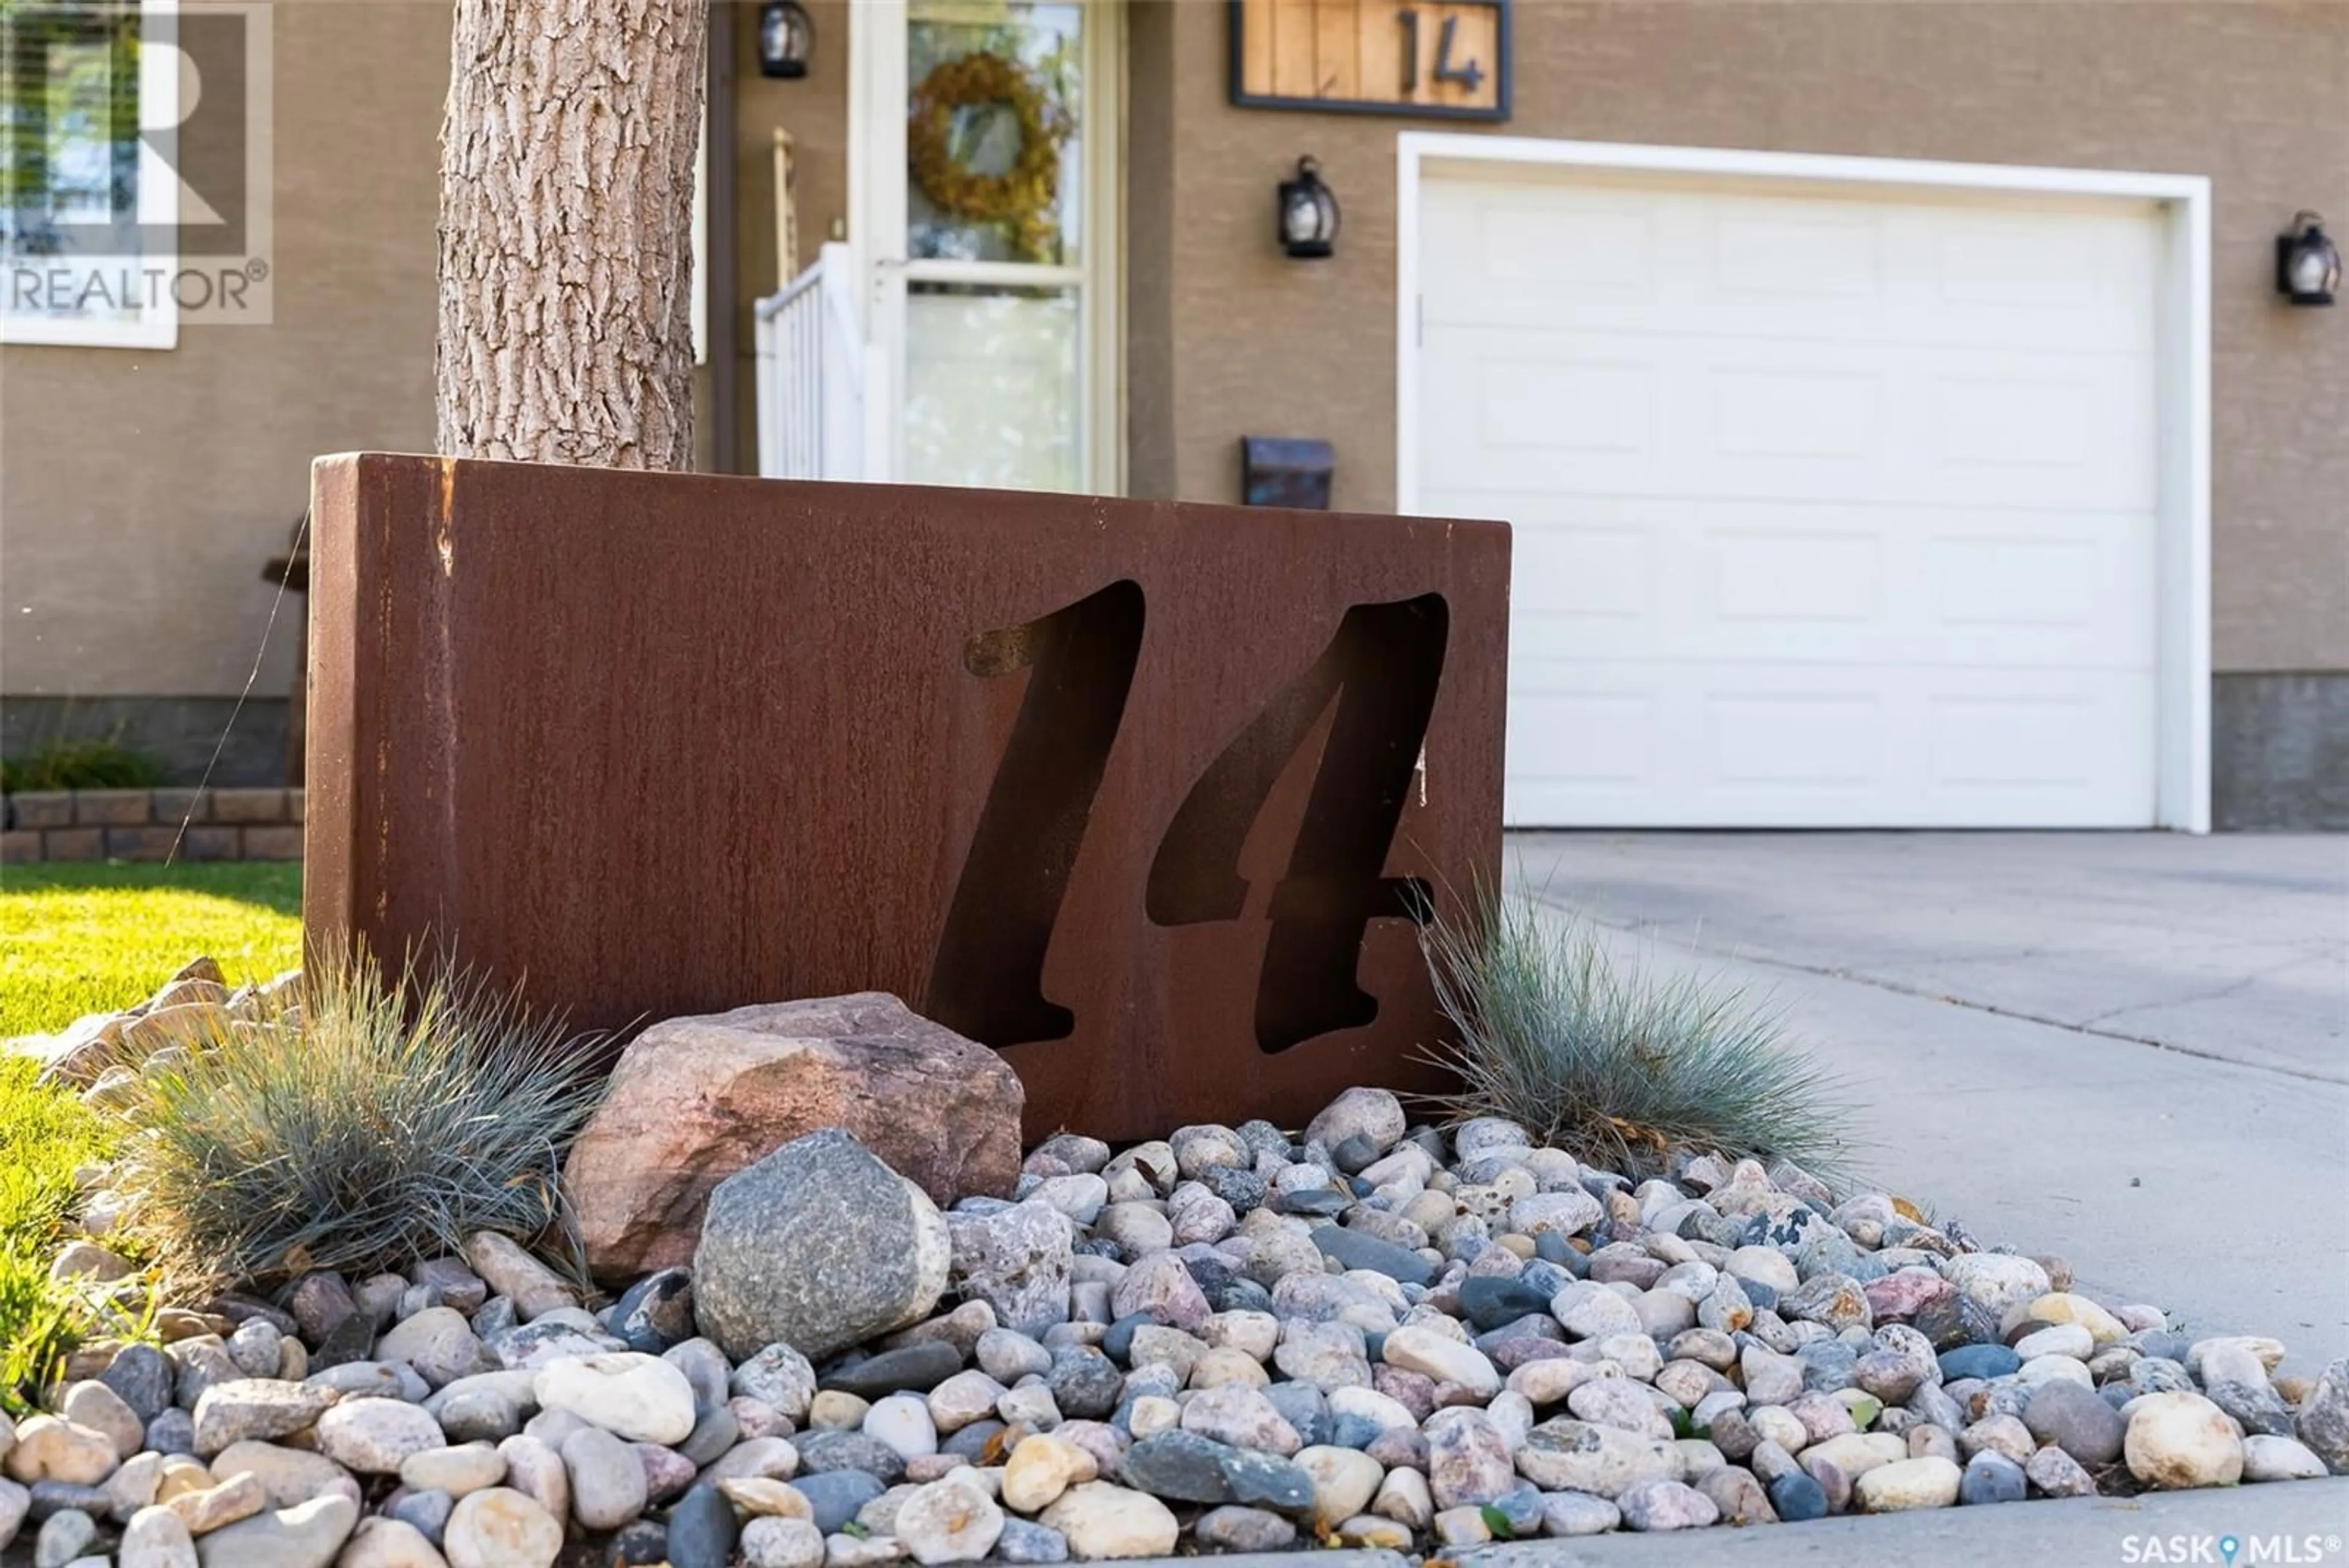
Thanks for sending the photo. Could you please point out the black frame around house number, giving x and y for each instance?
(1236, 10)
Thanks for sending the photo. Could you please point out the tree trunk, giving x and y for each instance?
(566, 231)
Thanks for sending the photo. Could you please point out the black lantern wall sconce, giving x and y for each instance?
(2308, 264)
(1307, 213)
(786, 35)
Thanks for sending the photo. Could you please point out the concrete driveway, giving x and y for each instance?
(2131, 1050)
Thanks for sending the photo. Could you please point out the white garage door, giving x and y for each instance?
(1832, 510)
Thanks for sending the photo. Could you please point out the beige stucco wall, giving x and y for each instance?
(141, 493)
(2247, 94)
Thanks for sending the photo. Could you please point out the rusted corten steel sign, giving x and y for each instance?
(1146, 795)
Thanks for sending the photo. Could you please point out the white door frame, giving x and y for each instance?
(878, 89)
(2182, 550)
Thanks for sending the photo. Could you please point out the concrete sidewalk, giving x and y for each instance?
(2127, 1049)
(2287, 1522)
(2290, 1522)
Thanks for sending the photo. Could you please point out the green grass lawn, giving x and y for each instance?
(45, 1134)
(90, 939)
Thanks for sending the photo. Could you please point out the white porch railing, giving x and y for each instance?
(810, 374)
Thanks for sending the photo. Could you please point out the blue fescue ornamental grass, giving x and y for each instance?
(1622, 1069)
(382, 1124)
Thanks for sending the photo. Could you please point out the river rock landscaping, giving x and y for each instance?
(1238, 1338)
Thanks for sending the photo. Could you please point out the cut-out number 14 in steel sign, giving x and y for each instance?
(1382, 668)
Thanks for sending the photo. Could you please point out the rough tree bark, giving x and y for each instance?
(566, 231)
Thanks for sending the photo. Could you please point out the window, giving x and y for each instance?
(1007, 368)
(88, 201)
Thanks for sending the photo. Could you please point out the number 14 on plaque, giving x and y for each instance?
(1467, 74)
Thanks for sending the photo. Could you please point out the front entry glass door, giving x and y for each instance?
(996, 316)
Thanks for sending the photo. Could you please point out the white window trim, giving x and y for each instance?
(2182, 547)
(157, 326)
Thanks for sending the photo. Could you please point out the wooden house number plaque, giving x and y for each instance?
(1447, 59)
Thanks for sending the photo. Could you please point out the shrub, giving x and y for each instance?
(1622, 1070)
(80, 764)
(383, 1122)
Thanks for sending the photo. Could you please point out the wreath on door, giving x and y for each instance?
(1022, 196)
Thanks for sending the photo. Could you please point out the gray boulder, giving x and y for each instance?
(2323, 1424)
(820, 1246)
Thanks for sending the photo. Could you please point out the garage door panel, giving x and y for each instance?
(1819, 413)
(1794, 739)
(2078, 279)
(1768, 581)
(2076, 589)
(1605, 578)
(1506, 412)
(1976, 740)
(1779, 747)
(1789, 253)
(1604, 251)
(2062, 276)
(1608, 569)
(1613, 414)
(1906, 424)
(1567, 403)
(1828, 511)
(1583, 738)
